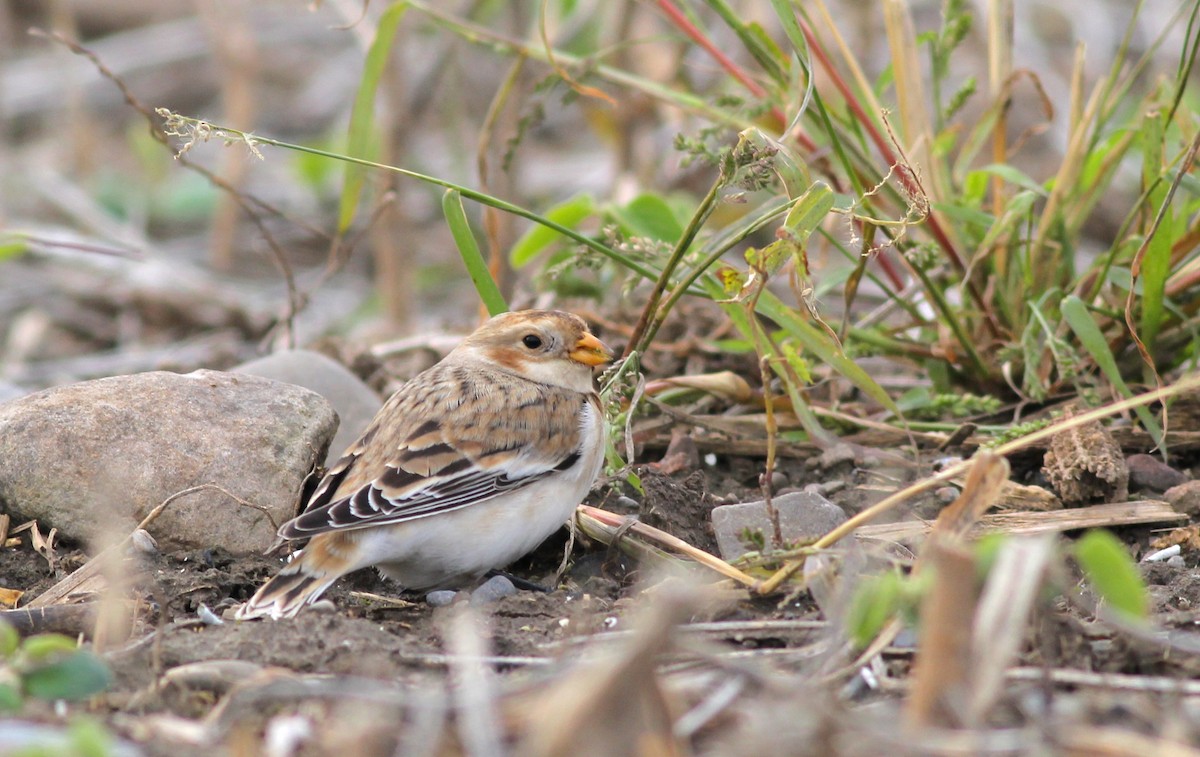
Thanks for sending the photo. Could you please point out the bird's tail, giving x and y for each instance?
(289, 591)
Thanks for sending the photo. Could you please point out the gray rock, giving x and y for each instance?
(946, 494)
(1148, 472)
(354, 401)
(839, 454)
(93, 458)
(1184, 498)
(493, 590)
(441, 597)
(803, 516)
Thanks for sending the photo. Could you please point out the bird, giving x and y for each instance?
(466, 468)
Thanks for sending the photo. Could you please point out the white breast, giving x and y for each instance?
(458, 546)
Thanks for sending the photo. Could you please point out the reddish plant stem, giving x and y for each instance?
(696, 35)
(902, 171)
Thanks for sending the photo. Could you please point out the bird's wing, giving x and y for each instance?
(451, 438)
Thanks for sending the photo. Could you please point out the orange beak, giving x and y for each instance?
(590, 351)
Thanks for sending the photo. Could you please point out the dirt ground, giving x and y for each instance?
(184, 685)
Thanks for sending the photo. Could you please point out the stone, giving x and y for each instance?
(93, 458)
(492, 590)
(837, 455)
(355, 402)
(1148, 472)
(804, 516)
(441, 597)
(946, 494)
(1184, 498)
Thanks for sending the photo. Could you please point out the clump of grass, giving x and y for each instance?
(910, 178)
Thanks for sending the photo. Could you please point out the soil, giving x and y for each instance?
(175, 665)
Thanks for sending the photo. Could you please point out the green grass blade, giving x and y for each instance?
(1076, 314)
(1112, 573)
(534, 241)
(820, 344)
(362, 120)
(758, 44)
(468, 248)
(1156, 263)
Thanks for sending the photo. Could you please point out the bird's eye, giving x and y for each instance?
(532, 341)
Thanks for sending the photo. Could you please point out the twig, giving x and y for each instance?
(873, 512)
(247, 202)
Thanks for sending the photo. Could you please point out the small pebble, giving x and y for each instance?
(1102, 646)
(493, 590)
(800, 516)
(825, 488)
(710, 459)
(323, 606)
(942, 463)
(628, 503)
(1148, 472)
(906, 639)
(838, 454)
(143, 542)
(1185, 498)
(779, 480)
(441, 598)
(1177, 561)
(946, 494)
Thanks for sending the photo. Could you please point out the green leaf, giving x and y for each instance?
(791, 170)
(809, 211)
(649, 216)
(986, 550)
(1016, 211)
(9, 639)
(1015, 177)
(468, 249)
(79, 675)
(798, 364)
(877, 600)
(818, 342)
(539, 237)
(1076, 314)
(12, 245)
(362, 122)
(1112, 572)
(760, 46)
(90, 738)
(965, 214)
(45, 645)
(1156, 263)
(10, 697)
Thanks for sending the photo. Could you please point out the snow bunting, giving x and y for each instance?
(467, 467)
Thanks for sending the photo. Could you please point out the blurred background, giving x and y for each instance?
(120, 258)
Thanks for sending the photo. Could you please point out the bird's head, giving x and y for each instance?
(547, 346)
